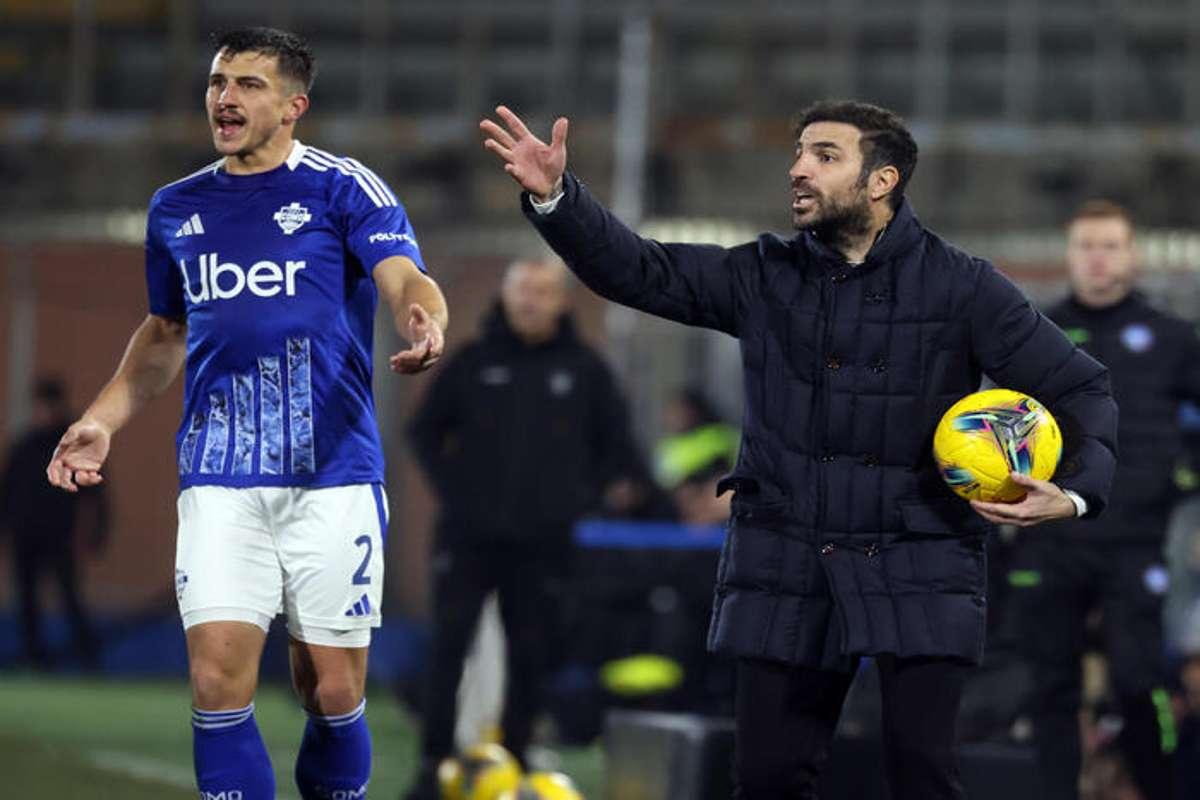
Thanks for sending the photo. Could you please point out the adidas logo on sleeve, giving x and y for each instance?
(192, 227)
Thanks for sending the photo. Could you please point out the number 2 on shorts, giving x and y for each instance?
(360, 574)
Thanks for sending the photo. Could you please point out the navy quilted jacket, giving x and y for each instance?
(844, 540)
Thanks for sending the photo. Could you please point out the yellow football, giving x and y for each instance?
(488, 770)
(544, 786)
(988, 435)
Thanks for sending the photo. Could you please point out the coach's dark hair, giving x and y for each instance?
(885, 138)
(293, 54)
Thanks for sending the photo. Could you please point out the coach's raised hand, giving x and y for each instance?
(537, 166)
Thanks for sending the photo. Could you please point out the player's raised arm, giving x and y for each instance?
(418, 311)
(153, 358)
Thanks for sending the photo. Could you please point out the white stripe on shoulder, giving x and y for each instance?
(331, 161)
(207, 168)
(328, 163)
(310, 162)
(378, 181)
(357, 166)
(370, 184)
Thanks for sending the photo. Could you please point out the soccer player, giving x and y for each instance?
(263, 271)
(856, 334)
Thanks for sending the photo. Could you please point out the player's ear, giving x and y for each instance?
(296, 106)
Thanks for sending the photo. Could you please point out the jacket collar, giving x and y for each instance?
(902, 234)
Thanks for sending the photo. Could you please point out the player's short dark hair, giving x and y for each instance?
(1101, 208)
(292, 53)
(886, 140)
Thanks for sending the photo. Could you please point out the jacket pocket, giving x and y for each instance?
(950, 518)
(754, 498)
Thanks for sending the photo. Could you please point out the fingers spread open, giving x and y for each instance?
(513, 122)
(494, 131)
(499, 149)
(558, 134)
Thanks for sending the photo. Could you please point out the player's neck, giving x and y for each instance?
(1104, 298)
(270, 155)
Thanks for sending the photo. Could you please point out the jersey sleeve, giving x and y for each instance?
(164, 285)
(377, 226)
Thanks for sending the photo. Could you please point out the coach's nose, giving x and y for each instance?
(801, 170)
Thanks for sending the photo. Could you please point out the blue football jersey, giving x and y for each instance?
(273, 274)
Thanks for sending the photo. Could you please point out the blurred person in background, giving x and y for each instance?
(264, 271)
(699, 448)
(521, 432)
(1182, 623)
(856, 336)
(1188, 757)
(1115, 565)
(47, 529)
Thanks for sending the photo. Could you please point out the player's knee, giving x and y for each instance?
(332, 695)
(216, 686)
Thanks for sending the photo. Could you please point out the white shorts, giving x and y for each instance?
(245, 555)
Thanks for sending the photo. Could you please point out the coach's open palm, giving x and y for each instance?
(80, 454)
(537, 166)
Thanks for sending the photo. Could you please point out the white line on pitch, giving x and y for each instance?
(151, 769)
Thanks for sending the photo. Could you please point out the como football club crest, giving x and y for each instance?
(291, 217)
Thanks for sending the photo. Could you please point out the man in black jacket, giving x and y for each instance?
(46, 525)
(521, 432)
(856, 335)
(1068, 570)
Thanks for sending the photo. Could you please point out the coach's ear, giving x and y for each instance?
(882, 181)
(297, 104)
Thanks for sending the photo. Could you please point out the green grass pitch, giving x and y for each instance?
(66, 738)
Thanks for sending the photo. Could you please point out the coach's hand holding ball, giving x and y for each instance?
(998, 449)
(1043, 502)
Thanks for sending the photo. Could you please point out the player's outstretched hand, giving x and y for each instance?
(1043, 501)
(537, 166)
(79, 455)
(427, 343)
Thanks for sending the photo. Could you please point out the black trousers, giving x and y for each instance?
(527, 578)
(1064, 581)
(34, 558)
(786, 716)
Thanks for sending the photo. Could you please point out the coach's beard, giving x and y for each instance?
(841, 226)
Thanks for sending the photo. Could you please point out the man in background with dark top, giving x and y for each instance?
(1067, 570)
(521, 432)
(44, 522)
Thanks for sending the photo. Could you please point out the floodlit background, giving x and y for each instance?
(680, 115)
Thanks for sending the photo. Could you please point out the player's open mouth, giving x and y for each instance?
(228, 125)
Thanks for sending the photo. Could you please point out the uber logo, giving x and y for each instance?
(263, 279)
